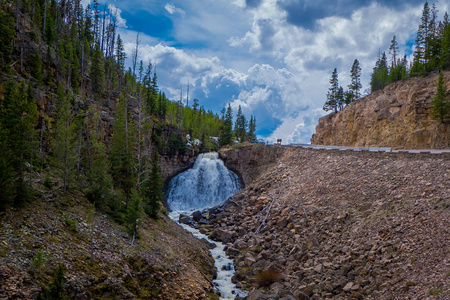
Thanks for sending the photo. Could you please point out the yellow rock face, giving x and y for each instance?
(397, 117)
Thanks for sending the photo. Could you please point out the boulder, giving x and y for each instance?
(348, 287)
(249, 260)
(197, 216)
(183, 219)
(222, 235)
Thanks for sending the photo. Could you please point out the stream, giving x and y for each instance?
(206, 185)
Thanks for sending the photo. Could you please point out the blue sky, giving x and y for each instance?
(272, 57)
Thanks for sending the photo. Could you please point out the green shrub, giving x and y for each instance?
(176, 143)
(55, 290)
(48, 182)
(72, 224)
(38, 259)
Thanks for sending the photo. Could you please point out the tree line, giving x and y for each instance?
(243, 130)
(61, 67)
(432, 53)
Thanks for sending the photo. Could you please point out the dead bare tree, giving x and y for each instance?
(136, 53)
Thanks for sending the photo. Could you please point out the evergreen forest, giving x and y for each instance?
(77, 114)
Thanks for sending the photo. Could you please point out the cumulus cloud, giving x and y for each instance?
(177, 61)
(274, 58)
(297, 129)
(271, 95)
(306, 13)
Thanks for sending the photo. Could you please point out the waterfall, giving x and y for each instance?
(207, 184)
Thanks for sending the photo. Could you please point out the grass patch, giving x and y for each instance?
(434, 291)
(440, 203)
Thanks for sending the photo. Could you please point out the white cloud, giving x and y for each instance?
(171, 9)
(277, 71)
(297, 129)
(116, 12)
(310, 56)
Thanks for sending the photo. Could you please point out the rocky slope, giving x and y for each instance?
(397, 116)
(318, 224)
(100, 262)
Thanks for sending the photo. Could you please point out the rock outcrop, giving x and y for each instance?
(250, 161)
(397, 117)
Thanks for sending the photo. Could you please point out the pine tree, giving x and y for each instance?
(340, 98)
(7, 33)
(226, 136)
(152, 188)
(120, 54)
(50, 33)
(99, 176)
(18, 118)
(349, 97)
(97, 72)
(133, 214)
(445, 56)
(162, 105)
(393, 51)
(398, 72)
(240, 126)
(441, 102)
(196, 104)
(63, 148)
(122, 163)
(332, 101)
(251, 128)
(379, 77)
(420, 58)
(355, 85)
(37, 68)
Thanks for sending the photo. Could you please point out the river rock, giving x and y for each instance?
(223, 235)
(184, 219)
(227, 267)
(257, 295)
(197, 216)
(232, 251)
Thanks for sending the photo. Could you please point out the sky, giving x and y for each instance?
(274, 58)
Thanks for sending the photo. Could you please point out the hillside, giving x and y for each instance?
(398, 116)
(85, 146)
(97, 255)
(334, 224)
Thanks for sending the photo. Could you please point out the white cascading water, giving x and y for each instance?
(206, 185)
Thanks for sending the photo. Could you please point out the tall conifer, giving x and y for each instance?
(226, 136)
(355, 85)
(441, 102)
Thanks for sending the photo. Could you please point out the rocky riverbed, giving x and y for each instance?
(317, 224)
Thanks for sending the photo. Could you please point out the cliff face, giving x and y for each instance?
(250, 161)
(397, 117)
